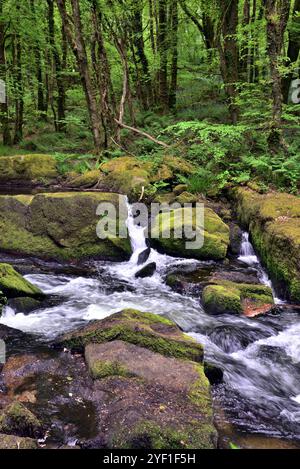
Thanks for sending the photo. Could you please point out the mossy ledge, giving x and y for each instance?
(144, 329)
(274, 223)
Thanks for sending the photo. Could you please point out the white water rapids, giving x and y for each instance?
(260, 357)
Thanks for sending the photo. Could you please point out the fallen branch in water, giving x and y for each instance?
(141, 132)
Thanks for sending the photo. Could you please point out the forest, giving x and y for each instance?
(214, 82)
(150, 226)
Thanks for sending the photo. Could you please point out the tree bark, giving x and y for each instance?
(229, 53)
(19, 92)
(174, 48)
(293, 51)
(6, 137)
(162, 47)
(277, 14)
(77, 44)
(143, 65)
(61, 95)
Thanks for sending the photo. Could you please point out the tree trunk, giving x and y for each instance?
(19, 99)
(41, 101)
(3, 106)
(162, 47)
(229, 53)
(143, 65)
(174, 47)
(61, 95)
(293, 51)
(77, 43)
(277, 14)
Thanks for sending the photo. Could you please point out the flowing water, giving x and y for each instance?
(260, 357)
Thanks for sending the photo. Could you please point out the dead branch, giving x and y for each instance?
(141, 132)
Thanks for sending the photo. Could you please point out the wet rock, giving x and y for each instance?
(274, 223)
(230, 338)
(232, 298)
(16, 442)
(16, 419)
(28, 169)
(139, 415)
(61, 226)
(118, 358)
(24, 305)
(143, 329)
(143, 256)
(147, 271)
(216, 234)
(213, 373)
(236, 235)
(236, 276)
(14, 285)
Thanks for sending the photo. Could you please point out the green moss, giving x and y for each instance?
(28, 169)
(167, 226)
(186, 198)
(143, 338)
(13, 284)
(218, 299)
(37, 226)
(16, 419)
(88, 179)
(145, 318)
(15, 442)
(144, 329)
(274, 222)
(200, 392)
(227, 297)
(102, 369)
(150, 435)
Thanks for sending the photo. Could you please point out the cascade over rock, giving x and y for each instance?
(274, 224)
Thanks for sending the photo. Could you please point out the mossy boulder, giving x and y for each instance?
(62, 226)
(85, 181)
(129, 175)
(186, 198)
(28, 169)
(13, 285)
(16, 442)
(227, 297)
(16, 419)
(273, 220)
(143, 329)
(167, 225)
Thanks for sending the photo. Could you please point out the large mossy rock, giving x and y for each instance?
(227, 297)
(28, 169)
(174, 410)
(61, 226)
(150, 375)
(128, 174)
(13, 285)
(274, 223)
(143, 329)
(215, 231)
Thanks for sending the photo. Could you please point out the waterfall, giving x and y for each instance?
(248, 256)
